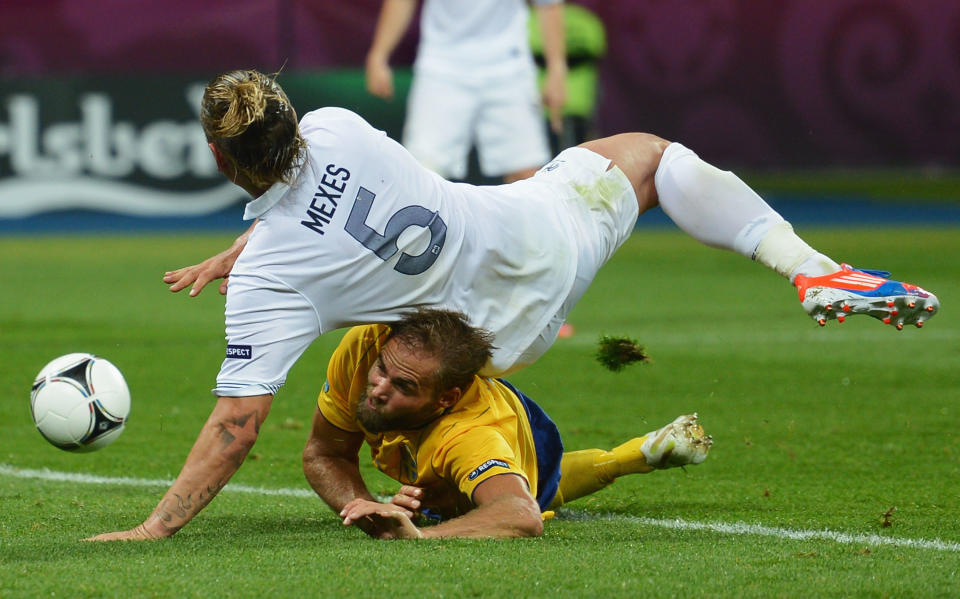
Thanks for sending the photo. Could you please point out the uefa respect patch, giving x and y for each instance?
(486, 466)
(239, 352)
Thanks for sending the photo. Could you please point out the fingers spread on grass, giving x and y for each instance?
(408, 497)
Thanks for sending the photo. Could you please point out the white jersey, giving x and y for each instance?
(474, 38)
(365, 233)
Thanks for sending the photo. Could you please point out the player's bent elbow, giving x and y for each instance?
(317, 466)
(534, 527)
(312, 457)
(530, 522)
(309, 462)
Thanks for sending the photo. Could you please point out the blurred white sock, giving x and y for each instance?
(783, 251)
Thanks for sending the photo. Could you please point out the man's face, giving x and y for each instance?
(400, 391)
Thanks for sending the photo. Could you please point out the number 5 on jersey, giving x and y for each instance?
(385, 246)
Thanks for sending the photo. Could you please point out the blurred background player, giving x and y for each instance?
(474, 83)
(473, 453)
(586, 44)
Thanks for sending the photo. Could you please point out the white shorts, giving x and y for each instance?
(603, 208)
(502, 116)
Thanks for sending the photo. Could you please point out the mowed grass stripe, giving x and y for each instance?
(872, 332)
(725, 528)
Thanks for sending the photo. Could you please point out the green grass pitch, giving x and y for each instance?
(835, 470)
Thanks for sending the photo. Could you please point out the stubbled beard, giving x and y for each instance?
(376, 422)
(373, 421)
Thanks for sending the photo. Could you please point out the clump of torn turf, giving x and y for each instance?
(617, 352)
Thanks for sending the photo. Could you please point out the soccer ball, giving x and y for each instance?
(80, 402)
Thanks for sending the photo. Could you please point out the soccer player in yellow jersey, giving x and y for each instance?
(474, 453)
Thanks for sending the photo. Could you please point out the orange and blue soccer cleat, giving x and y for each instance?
(855, 291)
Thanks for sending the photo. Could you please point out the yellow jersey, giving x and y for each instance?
(487, 432)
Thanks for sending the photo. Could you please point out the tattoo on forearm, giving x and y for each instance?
(166, 518)
(173, 517)
(231, 428)
(186, 507)
(183, 505)
(226, 437)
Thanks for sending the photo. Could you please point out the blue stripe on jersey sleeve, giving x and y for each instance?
(245, 389)
(549, 448)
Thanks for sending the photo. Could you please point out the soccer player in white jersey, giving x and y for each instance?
(474, 83)
(352, 229)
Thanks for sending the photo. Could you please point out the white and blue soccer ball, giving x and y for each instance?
(80, 402)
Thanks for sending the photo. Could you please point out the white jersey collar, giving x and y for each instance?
(259, 206)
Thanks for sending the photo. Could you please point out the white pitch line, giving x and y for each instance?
(92, 479)
(742, 528)
(727, 528)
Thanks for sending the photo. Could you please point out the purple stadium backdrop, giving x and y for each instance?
(751, 82)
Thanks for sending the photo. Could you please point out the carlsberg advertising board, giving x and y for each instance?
(123, 145)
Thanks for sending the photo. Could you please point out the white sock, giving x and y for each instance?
(718, 209)
(783, 251)
(711, 205)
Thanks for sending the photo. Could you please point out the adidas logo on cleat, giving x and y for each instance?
(853, 291)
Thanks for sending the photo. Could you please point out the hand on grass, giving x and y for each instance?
(398, 525)
(389, 521)
(140, 533)
(408, 497)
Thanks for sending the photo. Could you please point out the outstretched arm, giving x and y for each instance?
(217, 454)
(331, 463)
(504, 509)
(332, 466)
(215, 267)
(394, 20)
(550, 17)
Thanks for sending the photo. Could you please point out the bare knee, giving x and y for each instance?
(638, 156)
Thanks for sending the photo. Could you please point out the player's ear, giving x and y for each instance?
(450, 397)
(222, 163)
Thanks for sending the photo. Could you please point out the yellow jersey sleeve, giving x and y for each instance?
(347, 375)
(485, 452)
